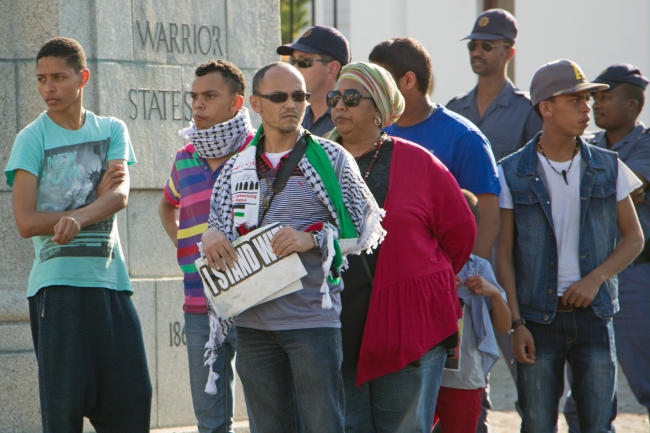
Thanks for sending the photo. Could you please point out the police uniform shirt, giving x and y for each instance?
(509, 122)
(322, 126)
(634, 151)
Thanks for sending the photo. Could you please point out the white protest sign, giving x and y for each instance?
(257, 276)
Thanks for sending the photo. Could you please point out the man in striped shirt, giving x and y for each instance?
(221, 126)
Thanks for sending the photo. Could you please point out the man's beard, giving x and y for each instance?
(288, 129)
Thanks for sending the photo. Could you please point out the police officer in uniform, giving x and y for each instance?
(616, 110)
(501, 111)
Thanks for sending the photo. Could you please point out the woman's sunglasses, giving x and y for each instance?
(282, 97)
(486, 45)
(351, 98)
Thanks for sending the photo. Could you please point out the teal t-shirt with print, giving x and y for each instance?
(69, 165)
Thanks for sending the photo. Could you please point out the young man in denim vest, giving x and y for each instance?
(563, 201)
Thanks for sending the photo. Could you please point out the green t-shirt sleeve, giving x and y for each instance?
(120, 146)
(26, 154)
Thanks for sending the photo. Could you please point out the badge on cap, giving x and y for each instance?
(579, 74)
(306, 34)
(484, 21)
(604, 71)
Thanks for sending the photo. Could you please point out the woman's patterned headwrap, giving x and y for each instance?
(381, 86)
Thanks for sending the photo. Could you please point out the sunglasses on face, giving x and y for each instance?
(282, 97)
(486, 45)
(351, 98)
(305, 63)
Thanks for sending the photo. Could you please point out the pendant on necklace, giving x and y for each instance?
(564, 176)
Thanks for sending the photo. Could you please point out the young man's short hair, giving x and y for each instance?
(67, 49)
(536, 107)
(402, 55)
(231, 74)
(472, 202)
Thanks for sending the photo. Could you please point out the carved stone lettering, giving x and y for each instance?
(161, 36)
(160, 104)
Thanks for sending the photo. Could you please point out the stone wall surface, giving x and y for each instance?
(142, 55)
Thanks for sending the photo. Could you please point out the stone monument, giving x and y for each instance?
(142, 55)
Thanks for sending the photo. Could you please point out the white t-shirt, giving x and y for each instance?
(566, 211)
(275, 158)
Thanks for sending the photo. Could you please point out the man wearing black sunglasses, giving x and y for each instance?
(289, 349)
(501, 111)
(319, 55)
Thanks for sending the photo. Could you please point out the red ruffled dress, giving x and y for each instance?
(431, 232)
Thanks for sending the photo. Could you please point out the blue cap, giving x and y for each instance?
(622, 73)
(321, 40)
(494, 24)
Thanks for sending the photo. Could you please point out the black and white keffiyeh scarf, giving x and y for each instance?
(223, 138)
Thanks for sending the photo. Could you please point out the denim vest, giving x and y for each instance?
(535, 249)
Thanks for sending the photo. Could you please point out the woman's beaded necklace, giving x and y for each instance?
(374, 157)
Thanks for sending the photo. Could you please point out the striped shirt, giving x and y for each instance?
(297, 206)
(189, 188)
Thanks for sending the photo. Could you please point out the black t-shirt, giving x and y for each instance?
(355, 296)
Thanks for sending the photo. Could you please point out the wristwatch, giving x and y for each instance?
(516, 323)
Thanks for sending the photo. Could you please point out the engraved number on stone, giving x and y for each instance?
(176, 334)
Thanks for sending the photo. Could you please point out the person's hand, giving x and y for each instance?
(218, 250)
(582, 292)
(523, 345)
(459, 282)
(289, 240)
(66, 230)
(112, 177)
(638, 198)
(480, 286)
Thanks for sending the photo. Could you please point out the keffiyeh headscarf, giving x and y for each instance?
(382, 88)
(223, 138)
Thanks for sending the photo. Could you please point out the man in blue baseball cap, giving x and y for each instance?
(500, 110)
(319, 54)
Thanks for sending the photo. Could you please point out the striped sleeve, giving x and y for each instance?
(171, 189)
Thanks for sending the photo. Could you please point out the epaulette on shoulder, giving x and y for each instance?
(457, 97)
(521, 93)
(590, 137)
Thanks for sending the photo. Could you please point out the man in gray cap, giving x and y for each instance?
(617, 110)
(568, 226)
(501, 111)
(319, 55)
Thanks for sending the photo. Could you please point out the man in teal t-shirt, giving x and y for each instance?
(68, 170)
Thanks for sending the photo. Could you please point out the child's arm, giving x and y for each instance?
(500, 313)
